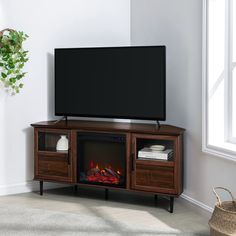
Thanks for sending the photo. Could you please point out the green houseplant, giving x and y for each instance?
(12, 59)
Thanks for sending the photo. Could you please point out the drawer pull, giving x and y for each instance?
(132, 162)
(68, 158)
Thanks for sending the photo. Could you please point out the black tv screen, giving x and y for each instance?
(111, 82)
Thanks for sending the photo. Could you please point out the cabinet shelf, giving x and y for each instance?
(53, 153)
(155, 162)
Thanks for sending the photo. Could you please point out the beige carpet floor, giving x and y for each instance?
(62, 212)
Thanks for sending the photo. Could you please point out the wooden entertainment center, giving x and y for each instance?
(106, 141)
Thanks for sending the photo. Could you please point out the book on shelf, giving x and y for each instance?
(148, 153)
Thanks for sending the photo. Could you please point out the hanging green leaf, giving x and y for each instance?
(4, 75)
(12, 59)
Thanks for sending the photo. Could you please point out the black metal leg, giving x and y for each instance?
(75, 188)
(41, 187)
(106, 194)
(155, 198)
(171, 204)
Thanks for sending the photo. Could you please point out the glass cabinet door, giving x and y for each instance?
(50, 141)
(53, 154)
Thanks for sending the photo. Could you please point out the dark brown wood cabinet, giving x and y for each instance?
(105, 155)
(49, 164)
(158, 175)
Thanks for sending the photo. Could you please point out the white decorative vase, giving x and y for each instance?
(62, 144)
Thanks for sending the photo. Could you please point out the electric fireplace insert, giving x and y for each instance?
(101, 159)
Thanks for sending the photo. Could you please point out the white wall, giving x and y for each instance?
(49, 24)
(2, 105)
(178, 25)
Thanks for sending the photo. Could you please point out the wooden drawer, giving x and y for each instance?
(155, 176)
(54, 167)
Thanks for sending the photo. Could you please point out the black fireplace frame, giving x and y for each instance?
(101, 137)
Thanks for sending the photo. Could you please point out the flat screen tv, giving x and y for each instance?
(111, 82)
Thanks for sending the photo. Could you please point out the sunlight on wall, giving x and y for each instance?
(215, 73)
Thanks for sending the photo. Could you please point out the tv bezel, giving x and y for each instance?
(109, 116)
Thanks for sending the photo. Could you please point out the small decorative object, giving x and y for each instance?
(62, 144)
(12, 59)
(157, 147)
(223, 219)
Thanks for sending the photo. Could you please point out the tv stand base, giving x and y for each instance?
(159, 177)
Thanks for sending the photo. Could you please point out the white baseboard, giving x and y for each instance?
(26, 187)
(197, 203)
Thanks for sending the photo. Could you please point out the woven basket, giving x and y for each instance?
(223, 219)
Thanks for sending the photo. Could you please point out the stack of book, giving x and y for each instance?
(153, 154)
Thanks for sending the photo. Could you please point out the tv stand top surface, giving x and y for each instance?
(110, 126)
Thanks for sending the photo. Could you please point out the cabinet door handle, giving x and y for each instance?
(68, 158)
(132, 162)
